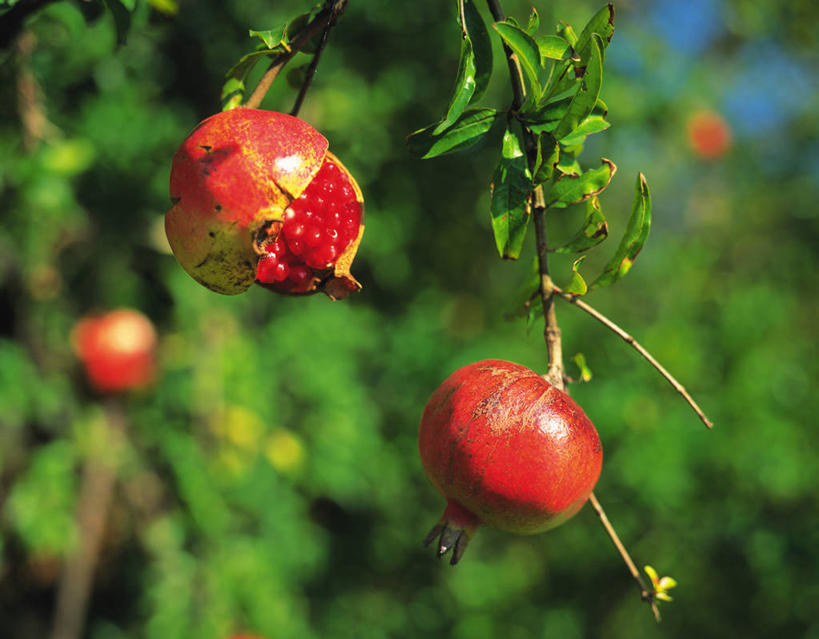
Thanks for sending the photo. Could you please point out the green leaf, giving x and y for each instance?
(121, 13)
(592, 124)
(594, 230)
(552, 47)
(272, 38)
(602, 24)
(528, 53)
(568, 164)
(548, 155)
(577, 285)
(481, 47)
(585, 372)
(586, 97)
(566, 32)
(569, 190)
(464, 87)
(534, 22)
(634, 238)
(548, 116)
(468, 130)
(233, 89)
(511, 187)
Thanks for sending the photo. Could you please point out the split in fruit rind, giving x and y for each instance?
(338, 282)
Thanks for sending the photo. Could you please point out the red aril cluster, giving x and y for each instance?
(317, 227)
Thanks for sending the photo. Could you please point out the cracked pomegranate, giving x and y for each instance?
(506, 449)
(258, 197)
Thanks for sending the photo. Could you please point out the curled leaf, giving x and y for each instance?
(633, 239)
(575, 189)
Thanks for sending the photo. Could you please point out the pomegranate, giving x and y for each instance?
(117, 350)
(258, 197)
(709, 135)
(508, 450)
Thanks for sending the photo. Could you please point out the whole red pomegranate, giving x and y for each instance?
(117, 349)
(258, 197)
(508, 450)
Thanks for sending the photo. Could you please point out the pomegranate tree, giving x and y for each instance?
(506, 449)
(258, 197)
(117, 350)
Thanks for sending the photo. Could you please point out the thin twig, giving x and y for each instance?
(464, 34)
(36, 126)
(645, 593)
(636, 346)
(311, 70)
(96, 495)
(325, 17)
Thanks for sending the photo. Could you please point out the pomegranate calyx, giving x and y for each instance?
(453, 531)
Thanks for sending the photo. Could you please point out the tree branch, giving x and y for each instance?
(645, 593)
(96, 494)
(547, 289)
(605, 321)
(324, 20)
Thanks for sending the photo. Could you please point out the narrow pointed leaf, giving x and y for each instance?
(271, 37)
(577, 285)
(585, 372)
(464, 86)
(552, 47)
(511, 188)
(534, 23)
(586, 97)
(121, 13)
(602, 23)
(522, 44)
(570, 190)
(592, 124)
(637, 229)
(548, 155)
(551, 112)
(481, 47)
(469, 129)
(566, 32)
(595, 229)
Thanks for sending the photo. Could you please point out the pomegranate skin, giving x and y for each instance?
(508, 450)
(231, 179)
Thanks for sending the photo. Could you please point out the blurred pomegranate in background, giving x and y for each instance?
(709, 135)
(117, 350)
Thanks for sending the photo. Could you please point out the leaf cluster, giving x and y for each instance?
(556, 106)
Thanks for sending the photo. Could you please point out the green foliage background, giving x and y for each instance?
(270, 480)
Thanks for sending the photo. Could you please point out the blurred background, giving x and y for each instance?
(268, 480)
